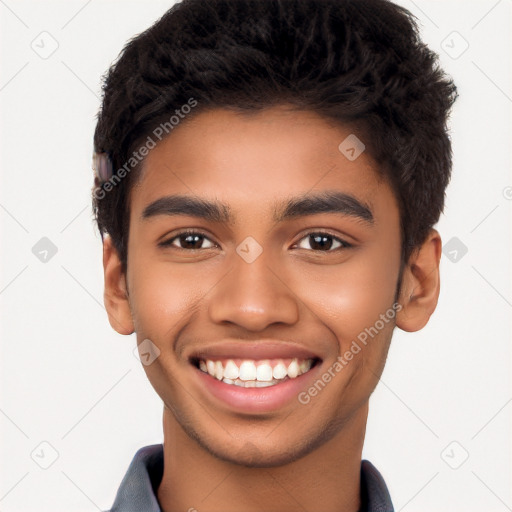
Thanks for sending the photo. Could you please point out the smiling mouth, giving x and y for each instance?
(250, 373)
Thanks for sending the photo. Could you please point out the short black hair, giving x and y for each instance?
(360, 63)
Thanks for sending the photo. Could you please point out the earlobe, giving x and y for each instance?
(419, 292)
(116, 295)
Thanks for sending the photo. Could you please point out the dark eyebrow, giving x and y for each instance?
(214, 211)
(325, 202)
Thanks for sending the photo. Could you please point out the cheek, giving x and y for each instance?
(350, 297)
(162, 300)
(161, 297)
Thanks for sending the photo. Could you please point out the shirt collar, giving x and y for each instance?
(137, 492)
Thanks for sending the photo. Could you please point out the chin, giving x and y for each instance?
(268, 453)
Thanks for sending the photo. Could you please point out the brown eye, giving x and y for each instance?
(324, 242)
(188, 240)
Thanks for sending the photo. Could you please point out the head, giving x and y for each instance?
(308, 134)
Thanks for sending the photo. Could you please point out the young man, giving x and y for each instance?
(268, 175)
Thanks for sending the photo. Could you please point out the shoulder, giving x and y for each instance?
(138, 488)
(375, 489)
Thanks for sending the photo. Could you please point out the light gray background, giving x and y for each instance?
(69, 380)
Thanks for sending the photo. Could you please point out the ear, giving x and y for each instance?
(116, 293)
(420, 285)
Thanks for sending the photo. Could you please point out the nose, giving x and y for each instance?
(253, 296)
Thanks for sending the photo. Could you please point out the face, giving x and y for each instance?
(259, 258)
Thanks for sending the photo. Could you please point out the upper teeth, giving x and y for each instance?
(252, 373)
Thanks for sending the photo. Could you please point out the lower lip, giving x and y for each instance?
(256, 400)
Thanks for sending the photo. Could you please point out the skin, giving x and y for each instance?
(299, 456)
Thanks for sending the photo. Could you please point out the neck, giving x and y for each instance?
(326, 479)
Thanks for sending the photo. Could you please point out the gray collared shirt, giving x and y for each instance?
(138, 487)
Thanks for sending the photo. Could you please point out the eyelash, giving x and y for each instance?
(343, 243)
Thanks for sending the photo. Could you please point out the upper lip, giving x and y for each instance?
(263, 349)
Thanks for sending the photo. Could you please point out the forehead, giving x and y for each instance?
(258, 158)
